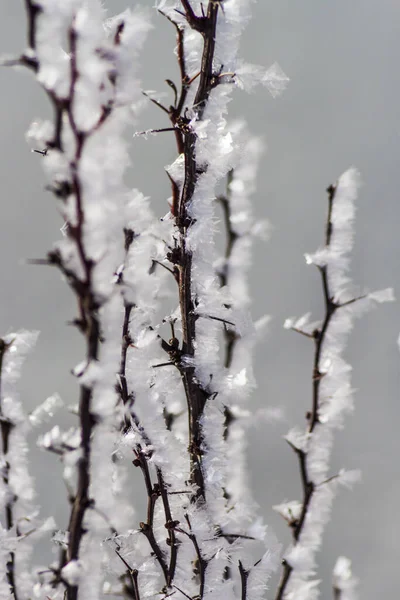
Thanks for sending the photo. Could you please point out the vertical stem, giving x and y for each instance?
(319, 335)
(195, 395)
(6, 428)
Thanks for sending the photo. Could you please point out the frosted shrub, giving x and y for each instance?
(175, 410)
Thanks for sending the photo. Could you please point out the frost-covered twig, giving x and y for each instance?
(6, 426)
(331, 393)
(146, 528)
(231, 237)
(207, 155)
(21, 526)
(240, 230)
(202, 563)
(92, 85)
(196, 393)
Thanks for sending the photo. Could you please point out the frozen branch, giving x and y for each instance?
(16, 487)
(6, 426)
(331, 393)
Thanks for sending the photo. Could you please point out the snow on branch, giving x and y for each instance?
(332, 394)
(21, 527)
(88, 68)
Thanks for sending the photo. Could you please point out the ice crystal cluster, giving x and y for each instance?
(164, 394)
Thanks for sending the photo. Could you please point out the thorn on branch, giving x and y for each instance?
(153, 131)
(305, 333)
(174, 272)
(199, 24)
(42, 152)
(220, 319)
(352, 301)
(156, 102)
(173, 86)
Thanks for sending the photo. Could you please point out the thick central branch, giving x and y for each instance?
(196, 396)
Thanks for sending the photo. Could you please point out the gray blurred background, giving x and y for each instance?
(341, 109)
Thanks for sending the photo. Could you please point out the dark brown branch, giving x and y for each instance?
(6, 426)
(32, 10)
(127, 398)
(90, 328)
(88, 321)
(301, 332)
(216, 319)
(181, 591)
(152, 495)
(170, 524)
(201, 562)
(319, 336)
(133, 575)
(236, 536)
(157, 262)
(308, 489)
(231, 337)
(175, 111)
(195, 395)
(200, 24)
(153, 492)
(244, 575)
(231, 235)
(88, 304)
(141, 460)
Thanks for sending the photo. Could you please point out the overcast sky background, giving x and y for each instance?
(340, 109)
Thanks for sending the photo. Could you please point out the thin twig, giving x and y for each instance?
(202, 562)
(170, 524)
(319, 337)
(195, 395)
(156, 102)
(133, 575)
(220, 319)
(231, 336)
(147, 527)
(89, 305)
(152, 131)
